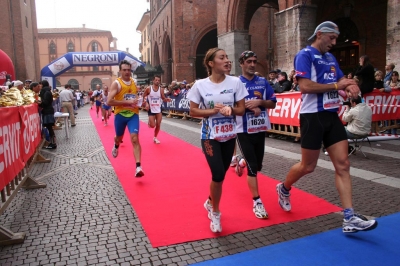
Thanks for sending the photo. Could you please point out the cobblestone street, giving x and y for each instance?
(83, 217)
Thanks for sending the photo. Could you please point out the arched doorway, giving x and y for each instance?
(209, 40)
(74, 84)
(167, 62)
(156, 55)
(347, 45)
(94, 82)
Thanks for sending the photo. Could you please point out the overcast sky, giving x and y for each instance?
(121, 17)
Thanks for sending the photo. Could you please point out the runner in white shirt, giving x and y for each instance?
(155, 97)
(222, 97)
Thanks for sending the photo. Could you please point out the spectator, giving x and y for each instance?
(365, 74)
(78, 96)
(283, 84)
(389, 68)
(295, 85)
(378, 84)
(176, 89)
(291, 76)
(27, 84)
(350, 75)
(272, 77)
(66, 99)
(358, 116)
(46, 103)
(19, 85)
(393, 83)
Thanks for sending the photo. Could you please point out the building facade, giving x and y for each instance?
(145, 30)
(55, 42)
(19, 37)
(183, 30)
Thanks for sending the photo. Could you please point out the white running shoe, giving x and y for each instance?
(102, 118)
(259, 210)
(234, 160)
(156, 141)
(215, 224)
(114, 152)
(358, 223)
(208, 207)
(283, 199)
(240, 165)
(139, 172)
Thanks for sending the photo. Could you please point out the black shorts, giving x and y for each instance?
(218, 156)
(252, 149)
(150, 113)
(92, 99)
(322, 127)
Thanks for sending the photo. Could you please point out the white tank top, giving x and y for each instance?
(154, 99)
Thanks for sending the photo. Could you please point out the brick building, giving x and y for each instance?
(19, 37)
(55, 42)
(182, 30)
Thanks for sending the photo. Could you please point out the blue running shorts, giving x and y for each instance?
(121, 122)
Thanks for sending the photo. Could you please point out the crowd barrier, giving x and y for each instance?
(20, 143)
(285, 117)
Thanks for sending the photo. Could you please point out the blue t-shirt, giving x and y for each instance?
(258, 88)
(321, 68)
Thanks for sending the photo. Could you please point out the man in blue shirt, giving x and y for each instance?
(251, 127)
(320, 78)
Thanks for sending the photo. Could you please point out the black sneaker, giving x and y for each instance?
(51, 146)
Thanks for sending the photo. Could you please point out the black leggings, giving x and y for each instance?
(218, 156)
(252, 148)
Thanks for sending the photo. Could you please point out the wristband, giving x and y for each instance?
(336, 86)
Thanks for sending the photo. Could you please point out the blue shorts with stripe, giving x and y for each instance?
(121, 122)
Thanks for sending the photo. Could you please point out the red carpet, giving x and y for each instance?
(169, 198)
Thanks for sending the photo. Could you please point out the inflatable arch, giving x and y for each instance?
(73, 59)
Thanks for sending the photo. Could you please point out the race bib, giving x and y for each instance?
(129, 96)
(155, 101)
(331, 100)
(257, 124)
(224, 128)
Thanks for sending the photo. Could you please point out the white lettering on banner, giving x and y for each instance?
(31, 129)
(88, 59)
(285, 107)
(171, 104)
(383, 104)
(184, 103)
(9, 144)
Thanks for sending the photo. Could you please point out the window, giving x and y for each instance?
(74, 84)
(52, 48)
(94, 82)
(26, 22)
(95, 47)
(96, 68)
(58, 83)
(71, 47)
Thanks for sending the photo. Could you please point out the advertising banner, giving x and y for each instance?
(19, 137)
(385, 106)
(11, 159)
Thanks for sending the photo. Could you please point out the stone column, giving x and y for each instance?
(234, 43)
(293, 26)
(393, 33)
